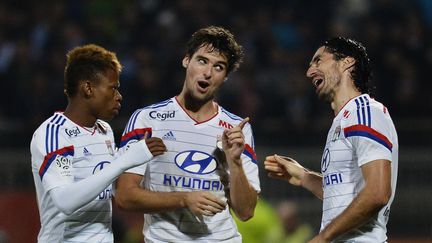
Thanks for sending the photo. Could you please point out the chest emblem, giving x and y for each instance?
(195, 162)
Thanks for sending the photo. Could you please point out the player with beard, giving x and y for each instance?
(359, 165)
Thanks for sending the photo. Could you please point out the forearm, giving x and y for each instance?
(132, 197)
(243, 196)
(312, 181)
(361, 209)
(375, 195)
(68, 198)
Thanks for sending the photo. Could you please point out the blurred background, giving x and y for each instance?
(279, 37)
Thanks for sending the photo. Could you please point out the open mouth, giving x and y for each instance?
(317, 82)
(203, 84)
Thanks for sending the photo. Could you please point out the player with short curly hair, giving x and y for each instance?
(73, 152)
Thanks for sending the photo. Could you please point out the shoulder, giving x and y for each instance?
(50, 134)
(157, 110)
(230, 116)
(52, 124)
(232, 119)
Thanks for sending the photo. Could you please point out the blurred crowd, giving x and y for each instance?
(149, 37)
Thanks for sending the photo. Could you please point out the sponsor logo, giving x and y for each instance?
(162, 116)
(86, 152)
(62, 162)
(107, 193)
(72, 132)
(193, 183)
(225, 124)
(346, 114)
(195, 162)
(169, 136)
(325, 160)
(332, 179)
(100, 166)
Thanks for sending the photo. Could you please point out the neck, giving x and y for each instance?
(342, 97)
(79, 115)
(197, 109)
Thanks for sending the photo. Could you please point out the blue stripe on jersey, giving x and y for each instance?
(131, 121)
(230, 115)
(55, 116)
(158, 105)
(52, 138)
(363, 116)
(52, 131)
(358, 111)
(134, 120)
(368, 111)
(46, 138)
(363, 111)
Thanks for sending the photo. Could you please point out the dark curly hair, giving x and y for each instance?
(87, 62)
(221, 40)
(342, 47)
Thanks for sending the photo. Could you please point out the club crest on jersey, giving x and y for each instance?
(195, 162)
(336, 133)
(109, 147)
(72, 132)
(161, 115)
(225, 124)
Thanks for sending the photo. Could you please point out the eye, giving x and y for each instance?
(202, 61)
(219, 68)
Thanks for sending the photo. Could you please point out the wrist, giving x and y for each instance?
(235, 163)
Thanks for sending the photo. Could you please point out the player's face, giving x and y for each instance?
(325, 73)
(206, 70)
(106, 99)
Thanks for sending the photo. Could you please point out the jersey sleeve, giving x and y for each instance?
(249, 159)
(52, 155)
(136, 128)
(368, 129)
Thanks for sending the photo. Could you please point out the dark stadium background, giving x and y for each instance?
(279, 38)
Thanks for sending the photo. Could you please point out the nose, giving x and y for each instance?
(311, 71)
(119, 97)
(207, 71)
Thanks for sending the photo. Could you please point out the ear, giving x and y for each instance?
(348, 62)
(185, 61)
(86, 88)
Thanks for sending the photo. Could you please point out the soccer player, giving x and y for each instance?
(359, 164)
(210, 160)
(74, 155)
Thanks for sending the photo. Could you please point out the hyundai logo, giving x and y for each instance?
(325, 160)
(100, 166)
(196, 162)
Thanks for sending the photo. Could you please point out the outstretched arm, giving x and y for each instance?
(286, 168)
(375, 194)
(68, 198)
(242, 195)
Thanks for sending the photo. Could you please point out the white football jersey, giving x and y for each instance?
(363, 131)
(190, 164)
(63, 152)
